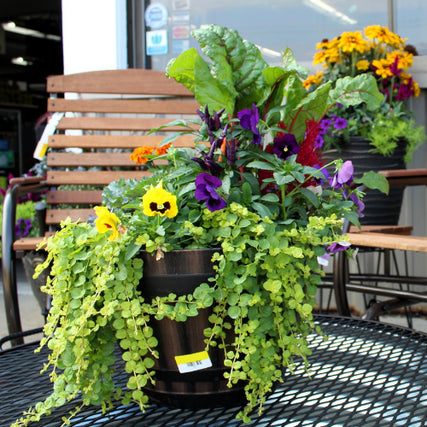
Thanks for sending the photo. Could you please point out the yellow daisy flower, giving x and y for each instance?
(107, 221)
(313, 80)
(362, 65)
(382, 68)
(353, 41)
(416, 89)
(384, 35)
(405, 59)
(158, 201)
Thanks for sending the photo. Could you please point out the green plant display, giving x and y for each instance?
(258, 190)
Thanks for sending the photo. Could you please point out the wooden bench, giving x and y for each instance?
(385, 238)
(106, 114)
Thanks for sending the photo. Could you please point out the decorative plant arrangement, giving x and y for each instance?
(254, 188)
(382, 54)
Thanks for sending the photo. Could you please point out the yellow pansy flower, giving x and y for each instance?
(107, 221)
(158, 201)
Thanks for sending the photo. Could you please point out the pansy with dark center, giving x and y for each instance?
(158, 201)
(319, 179)
(206, 186)
(285, 145)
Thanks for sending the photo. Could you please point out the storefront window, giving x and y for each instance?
(410, 20)
(163, 28)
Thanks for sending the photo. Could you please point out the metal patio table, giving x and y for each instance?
(365, 374)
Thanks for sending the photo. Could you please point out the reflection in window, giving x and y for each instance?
(411, 18)
(271, 24)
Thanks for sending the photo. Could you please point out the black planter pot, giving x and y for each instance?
(380, 209)
(180, 272)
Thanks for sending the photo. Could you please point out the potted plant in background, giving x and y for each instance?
(28, 225)
(374, 139)
(251, 205)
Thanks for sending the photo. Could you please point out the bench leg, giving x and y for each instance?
(340, 276)
(11, 302)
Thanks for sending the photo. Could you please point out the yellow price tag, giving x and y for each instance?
(193, 362)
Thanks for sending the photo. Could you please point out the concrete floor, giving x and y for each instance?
(30, 311)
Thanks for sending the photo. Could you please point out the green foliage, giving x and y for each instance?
(270, 213)
(236, 77)
(387, 134)
(266, 277)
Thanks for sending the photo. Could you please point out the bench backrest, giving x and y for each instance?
(107, 114)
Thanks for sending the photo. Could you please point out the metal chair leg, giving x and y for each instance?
(340, 275)
(9, 265)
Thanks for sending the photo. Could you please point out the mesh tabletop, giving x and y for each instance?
(365, 374)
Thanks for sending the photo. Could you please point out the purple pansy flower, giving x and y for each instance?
(343, 176)
(338, 247)
(206, 186)
(249, 119)
(284, 146)
(208, 164)
(324, 171)
(360, 206)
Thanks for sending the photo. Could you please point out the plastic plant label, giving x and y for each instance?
(193, 362)
(50, 129)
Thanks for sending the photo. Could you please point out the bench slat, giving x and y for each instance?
(27, 244)
(55, 178)
(115, 124)
(114, 141)
(389, 241)
(128, 81)
(123, 106)
(55, 216)
(391, 229)
(77, 197)
(89, 159)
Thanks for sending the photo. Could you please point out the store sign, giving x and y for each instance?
(156, 15)
(157, 42)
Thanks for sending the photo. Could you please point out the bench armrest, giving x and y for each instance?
(18, 186)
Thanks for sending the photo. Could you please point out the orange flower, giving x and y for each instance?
(163, 149)
(138, 155)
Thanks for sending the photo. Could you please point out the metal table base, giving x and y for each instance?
(365, 374)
